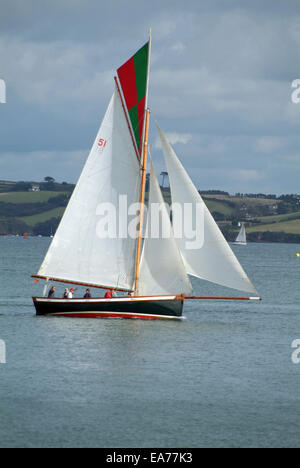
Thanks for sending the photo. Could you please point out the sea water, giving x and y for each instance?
(223, 377)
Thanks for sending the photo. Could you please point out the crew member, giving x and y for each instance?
(87, 294)
(52, 292)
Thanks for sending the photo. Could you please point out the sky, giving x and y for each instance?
(220, 86)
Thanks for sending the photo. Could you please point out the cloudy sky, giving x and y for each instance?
(220, 86)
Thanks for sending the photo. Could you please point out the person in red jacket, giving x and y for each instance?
(108, 295)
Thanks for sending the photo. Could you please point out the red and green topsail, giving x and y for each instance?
(133, 79)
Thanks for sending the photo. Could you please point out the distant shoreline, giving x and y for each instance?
(36, 208)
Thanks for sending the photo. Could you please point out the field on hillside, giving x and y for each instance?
(40, 212)
(43, 217)
(291, 227)
(219, 206)
(280, 218)
(239, 200)
(29, 197)
(31, 212)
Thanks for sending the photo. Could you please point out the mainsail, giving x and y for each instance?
(162, 269)
(241, 238)
(214, 261)
(79, 252)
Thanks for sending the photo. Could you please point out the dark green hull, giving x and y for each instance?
(136, 307)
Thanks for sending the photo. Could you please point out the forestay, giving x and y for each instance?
(78, 251)
(162, 269)
(214, 261)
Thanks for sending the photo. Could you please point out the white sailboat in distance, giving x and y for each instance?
(241, 238)
(151, 276)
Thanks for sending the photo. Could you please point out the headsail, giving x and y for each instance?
(214, 261)
(162, 269)
(78, 253)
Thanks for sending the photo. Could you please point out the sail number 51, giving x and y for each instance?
(102, 143)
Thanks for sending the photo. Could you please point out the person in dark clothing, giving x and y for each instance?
(52, 292)
(87, 294)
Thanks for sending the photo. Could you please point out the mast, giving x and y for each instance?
(142, 200)
(144, 172)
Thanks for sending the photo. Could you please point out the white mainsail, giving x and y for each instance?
(162, 269)
(78, 253)
(214, 261)
(241, 238)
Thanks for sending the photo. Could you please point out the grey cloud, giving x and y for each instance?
(221, 72)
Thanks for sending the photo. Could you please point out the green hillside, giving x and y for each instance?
(280, 218)
(29, 197)
(219, 207)
(43, 217)
(291, 227)
(33, 212)
(267, 218)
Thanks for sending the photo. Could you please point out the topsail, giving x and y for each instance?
(133, 76)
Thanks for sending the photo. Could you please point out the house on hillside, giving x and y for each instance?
(35, 188)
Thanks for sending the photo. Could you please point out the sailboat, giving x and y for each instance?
(150, 273)
(241, 238)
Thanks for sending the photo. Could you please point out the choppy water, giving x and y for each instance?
(221, 378)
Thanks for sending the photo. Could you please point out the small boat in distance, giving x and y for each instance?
(151, 276)
(241, 238)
